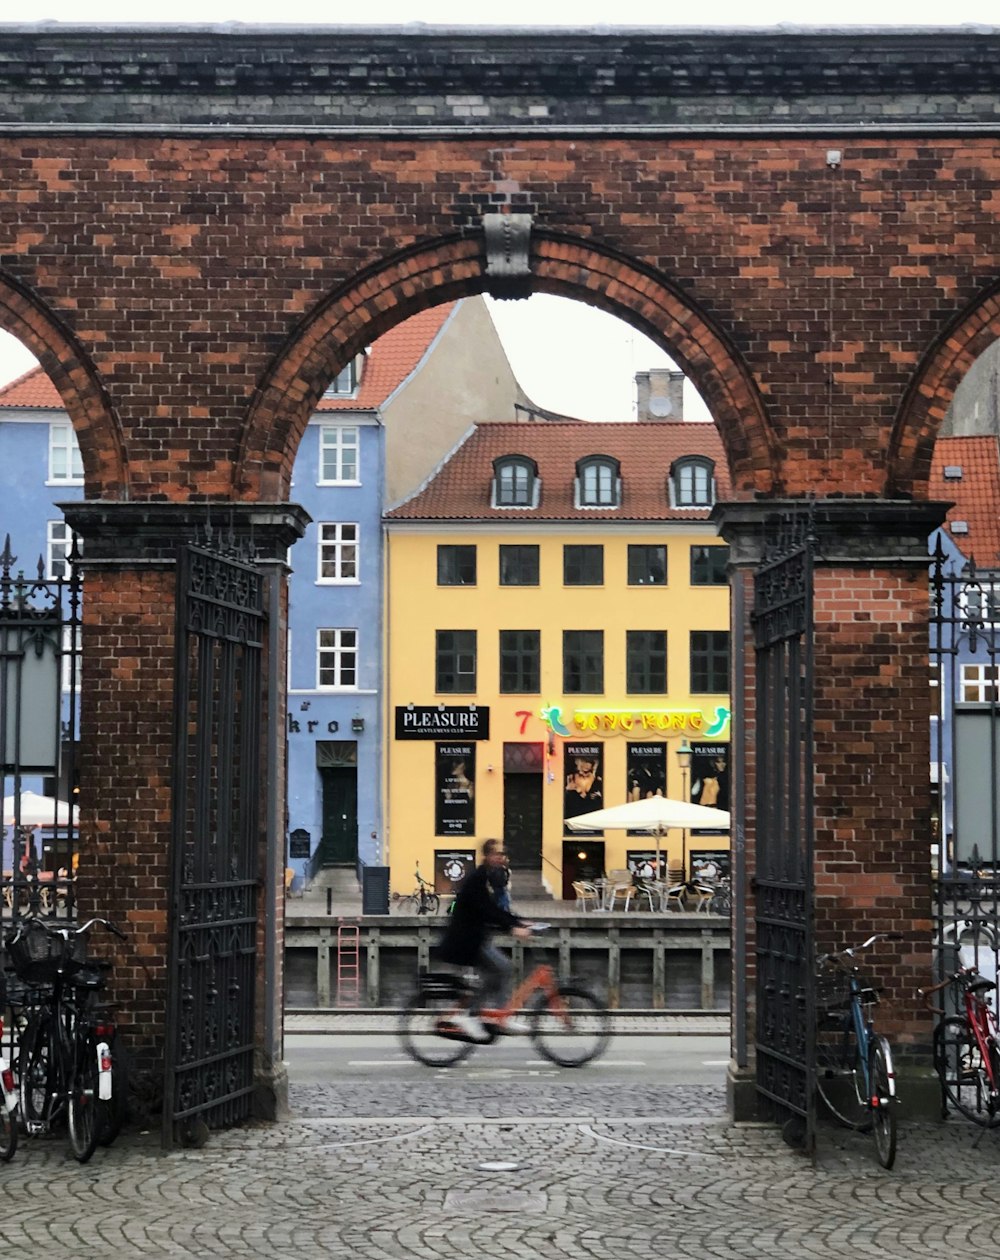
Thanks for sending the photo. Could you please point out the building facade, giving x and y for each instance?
(558, 616)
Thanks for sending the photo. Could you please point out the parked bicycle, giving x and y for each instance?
(423, 899)
(967, 1047)
(569, 1026)
(67, 1046)
(854, 1073)
(8, 1091)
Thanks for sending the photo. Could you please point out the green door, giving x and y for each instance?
(339, 846)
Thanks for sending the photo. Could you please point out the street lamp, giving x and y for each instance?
(684, 761)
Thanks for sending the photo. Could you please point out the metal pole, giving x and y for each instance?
(684, 831)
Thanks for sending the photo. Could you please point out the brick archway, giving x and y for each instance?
(450, 268)
(931, 390)
(64, 361)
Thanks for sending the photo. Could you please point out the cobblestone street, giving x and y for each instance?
(391, 1170)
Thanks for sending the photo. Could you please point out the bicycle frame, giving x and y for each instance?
(982, 1021)
(542, 977)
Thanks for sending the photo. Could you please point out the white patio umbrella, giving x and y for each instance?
(36, 810)
(654, 814)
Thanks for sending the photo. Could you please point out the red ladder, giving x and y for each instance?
(348, 964)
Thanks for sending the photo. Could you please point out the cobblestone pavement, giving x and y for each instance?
(379, 1173)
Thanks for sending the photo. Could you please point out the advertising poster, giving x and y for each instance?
(450, 867)
(642, 862)
(646, 770)
(583, 791)
(454, 788)
(710, 782)
(709, 864)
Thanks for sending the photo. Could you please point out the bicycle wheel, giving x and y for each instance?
(572, 1028)
(880, 1075)
(840, 1073)
(418, 1025)
(960, 1067)
(114, 1113)
(429, 903)
(35, 1067)
(84, 1112)
(8, 1130)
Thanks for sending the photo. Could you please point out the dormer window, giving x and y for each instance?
(345, 383)
(515, 482)
(598, 484)
(692, 483)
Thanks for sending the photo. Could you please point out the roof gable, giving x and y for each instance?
(975, 494)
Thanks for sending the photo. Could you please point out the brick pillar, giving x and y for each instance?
(126, 739)
(872, 752)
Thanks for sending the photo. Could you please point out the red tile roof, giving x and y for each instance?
(33, 389)
(392, 358)
(976, 495)
(461, 488)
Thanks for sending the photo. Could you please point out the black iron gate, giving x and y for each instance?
(783, 640)
(216, 794)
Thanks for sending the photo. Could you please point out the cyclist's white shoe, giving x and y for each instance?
(514, 1027)
(469, 1026)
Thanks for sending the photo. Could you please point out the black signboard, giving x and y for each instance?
(454, 790)
(710, 782)
(583, 780)
(709, 864)
(442, 721)
(450, 867)
(299, 843)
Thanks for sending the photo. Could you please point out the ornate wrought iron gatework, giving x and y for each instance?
(216, 791)
(965, 761)
(783, 639)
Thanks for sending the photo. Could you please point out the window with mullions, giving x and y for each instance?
(338, 552)
(708, 566)
(583, 662)
(515, 482)
(692, 483)
(65, 460)
(981, 683)
(520, 661)
(647, 564)
(58, 544)
(347, 380)
(646, 662)
(455, 662)
(336, 659)
(710, 661)
(518, 565)
(456, 565)
(583, 565)
(597, 482)
(338, 455)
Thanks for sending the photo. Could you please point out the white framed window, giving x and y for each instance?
(71, 649)
(338, 455)
(336, 659)
(692, 482)
(598, 483)
(337, 560)
(65, 461)
(345, 383)
(981, 683)
(58, 541)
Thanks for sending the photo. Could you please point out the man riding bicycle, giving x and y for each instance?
(466, 941)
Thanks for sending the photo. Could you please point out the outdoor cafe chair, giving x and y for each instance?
(586, 896)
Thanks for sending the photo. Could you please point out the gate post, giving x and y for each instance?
(871, 797)
(127, 721)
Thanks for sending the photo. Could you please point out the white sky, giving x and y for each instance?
(567, 356)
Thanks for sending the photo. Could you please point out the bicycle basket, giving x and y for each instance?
(38, 953)
(833, 996)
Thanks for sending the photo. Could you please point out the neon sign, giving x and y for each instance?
(636, 721)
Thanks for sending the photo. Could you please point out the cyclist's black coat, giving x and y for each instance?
(475, 916)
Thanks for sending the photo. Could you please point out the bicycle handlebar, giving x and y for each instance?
(963, 976)
(856, 949)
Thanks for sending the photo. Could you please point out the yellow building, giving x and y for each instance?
(557, 623)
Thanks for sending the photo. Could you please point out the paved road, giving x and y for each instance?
(380, 1163)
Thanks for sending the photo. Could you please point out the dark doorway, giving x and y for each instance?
(522, 806)
(581, 860)
(339, 846)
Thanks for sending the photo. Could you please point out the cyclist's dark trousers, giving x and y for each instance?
(495, 969)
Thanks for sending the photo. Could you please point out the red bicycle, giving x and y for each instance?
(967, 1048)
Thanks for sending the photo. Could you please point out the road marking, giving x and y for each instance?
(715, 1063)
(377, 1062)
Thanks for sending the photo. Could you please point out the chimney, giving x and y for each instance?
(660, 394)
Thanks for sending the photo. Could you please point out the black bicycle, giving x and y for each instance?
(68, 1042)
(423, 899)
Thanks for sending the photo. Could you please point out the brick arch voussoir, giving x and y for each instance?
(446, 269)
(78, 383)
(931, 390)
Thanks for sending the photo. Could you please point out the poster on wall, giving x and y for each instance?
(454, 789)
(642, 862)
(709, 864)
(450, 867)
(646, 771)
(710, 782)
(583, 771)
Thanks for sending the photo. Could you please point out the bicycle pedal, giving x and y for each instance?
(451, 1032)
